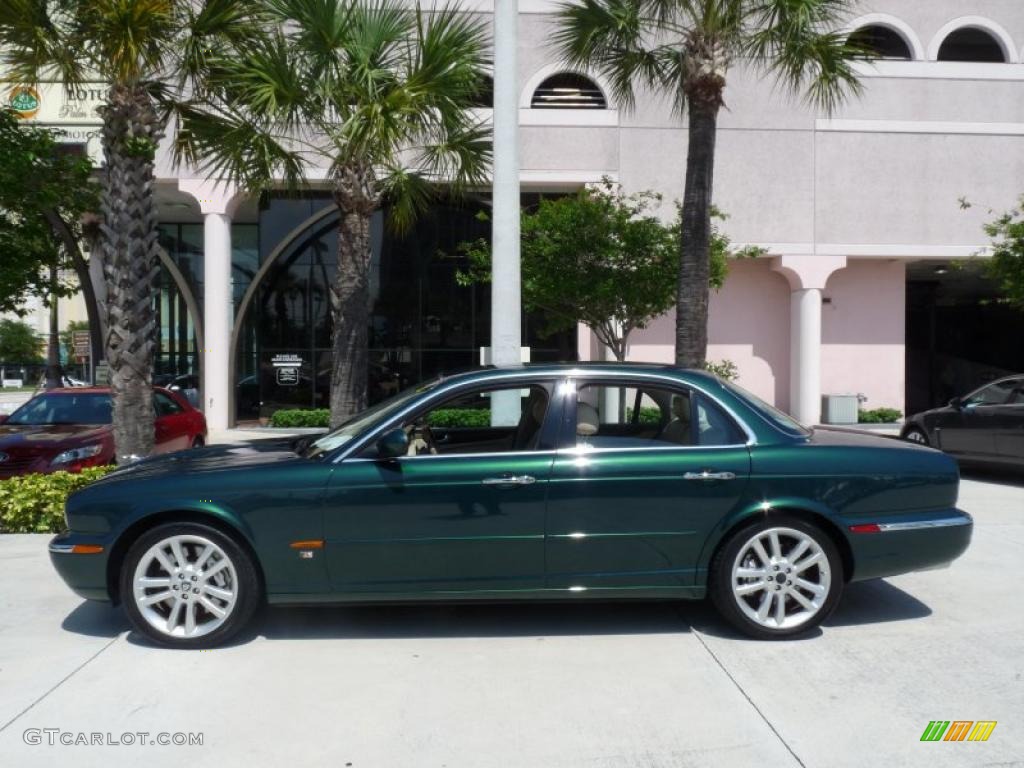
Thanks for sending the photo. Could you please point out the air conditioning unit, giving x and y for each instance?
(839, 409)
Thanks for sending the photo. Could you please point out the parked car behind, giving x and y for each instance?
(986, 426)
(70, 429)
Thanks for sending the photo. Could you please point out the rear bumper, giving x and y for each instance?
(86, 574)
(912, 542)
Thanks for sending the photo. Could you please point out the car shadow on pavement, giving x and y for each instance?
(864, 602)
(868, 602)
(95, 619)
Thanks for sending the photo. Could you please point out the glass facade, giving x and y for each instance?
(422, 322)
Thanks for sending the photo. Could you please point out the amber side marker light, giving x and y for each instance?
(311, 544)
(865, 528)
(86, 549)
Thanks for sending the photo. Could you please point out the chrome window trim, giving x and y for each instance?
(550, 452)
(576, 451)
(345, 451)
(945, 522)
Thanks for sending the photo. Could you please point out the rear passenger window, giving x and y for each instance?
(611, 416)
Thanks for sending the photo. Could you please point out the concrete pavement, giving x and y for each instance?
(639, 685)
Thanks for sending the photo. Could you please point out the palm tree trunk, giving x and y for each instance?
(128, 245)
(54, 374)
(694, 251)
(356, 195)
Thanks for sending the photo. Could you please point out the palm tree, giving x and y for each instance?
(686, 48)
(376, 95)
(147, 52)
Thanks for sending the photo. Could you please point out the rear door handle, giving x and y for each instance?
(708, 476)
(509, 481)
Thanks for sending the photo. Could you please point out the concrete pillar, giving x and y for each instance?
(217, 202)
(807, 275)
(506, 302)
(805, 355)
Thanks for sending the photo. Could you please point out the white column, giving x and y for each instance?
(805, 355)
(217, 202)
(217, 311)
(506, 330)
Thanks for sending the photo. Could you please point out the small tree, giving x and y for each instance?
(43, 194)
(1006, 266)
(18, 342)
(601, 258)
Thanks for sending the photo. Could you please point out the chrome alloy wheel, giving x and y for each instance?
(781, 578)
(185, 586)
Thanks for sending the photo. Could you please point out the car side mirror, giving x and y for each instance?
(393, 443)
(956, 402)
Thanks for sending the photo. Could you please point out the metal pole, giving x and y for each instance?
(506, 306)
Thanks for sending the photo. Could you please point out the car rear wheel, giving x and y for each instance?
(777, 578)
(188, 585)
(915, 435)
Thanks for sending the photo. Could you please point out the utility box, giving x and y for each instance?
(839, 409)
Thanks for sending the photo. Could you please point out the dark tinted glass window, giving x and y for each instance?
(994, 394)
(88, 408)
(971, 45)
(163, 405)
(881, 42)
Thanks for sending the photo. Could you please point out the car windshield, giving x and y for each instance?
(769, 413)
(365, 421)
(85, 408)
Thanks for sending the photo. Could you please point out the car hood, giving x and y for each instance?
(40, 438)
(217, 458)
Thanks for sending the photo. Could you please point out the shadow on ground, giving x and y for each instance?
(863, 603)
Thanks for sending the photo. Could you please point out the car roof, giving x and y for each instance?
(587, 368)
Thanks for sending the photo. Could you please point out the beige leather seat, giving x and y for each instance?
(587, 420)
(678, 430)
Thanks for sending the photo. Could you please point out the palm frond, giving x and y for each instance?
(34, 43)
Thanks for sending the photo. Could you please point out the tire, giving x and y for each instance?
(198, 442)
(233, 587)
(916, 435)
(740, 599)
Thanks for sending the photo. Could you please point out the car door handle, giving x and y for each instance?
(708, 476)
(510, 480)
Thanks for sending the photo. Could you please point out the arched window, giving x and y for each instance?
(883, 42)
(484, 98)
(568, 91)
(971, 44)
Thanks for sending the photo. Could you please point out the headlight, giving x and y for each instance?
(76, 454)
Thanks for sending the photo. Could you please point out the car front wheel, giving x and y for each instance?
(776, 578)
(188, 585)
(915, 435)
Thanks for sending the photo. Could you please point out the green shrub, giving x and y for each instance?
(647, 415)
(35, 503)
(878, 416)
(459, 417)
(725, 369)
(301, 417)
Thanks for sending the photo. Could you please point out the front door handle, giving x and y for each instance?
(708, 476)
(509, 481)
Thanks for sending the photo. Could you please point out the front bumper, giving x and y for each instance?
(85, 572)
(917, 542)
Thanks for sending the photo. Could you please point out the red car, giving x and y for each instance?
(70, 429)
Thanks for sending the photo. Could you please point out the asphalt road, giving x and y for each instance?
(640, 685)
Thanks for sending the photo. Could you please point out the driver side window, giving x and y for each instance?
(481, 421)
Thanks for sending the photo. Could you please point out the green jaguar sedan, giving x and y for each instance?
(558, 482)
